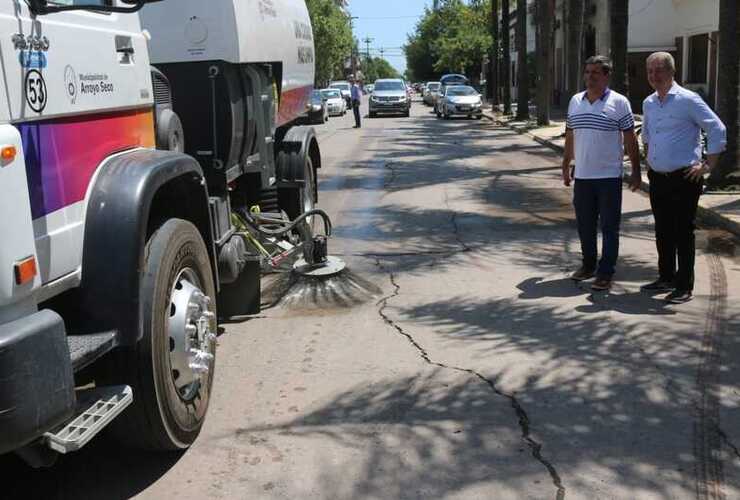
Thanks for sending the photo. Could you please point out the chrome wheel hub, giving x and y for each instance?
(191, 327)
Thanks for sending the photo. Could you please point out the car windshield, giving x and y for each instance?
(331, 94)
(433, 86)
(316, 96)
(461, 91)
(340, 86)
(389, 86)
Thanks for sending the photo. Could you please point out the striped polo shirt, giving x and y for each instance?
(597, 130)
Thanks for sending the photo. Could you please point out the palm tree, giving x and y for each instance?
(574, 44)
(727, 86)
(522, 73)
(506, 62)
(545, 13)
(493, 67)
(619, 14)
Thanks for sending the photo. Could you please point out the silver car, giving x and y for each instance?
(460, 100)
(431, 91)
(389, 96)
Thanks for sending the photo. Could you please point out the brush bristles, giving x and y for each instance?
(343, 290)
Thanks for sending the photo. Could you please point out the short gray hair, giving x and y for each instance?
(665, 59)
(605, 62)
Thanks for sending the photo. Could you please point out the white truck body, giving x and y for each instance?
(67, 110)
(238, 32)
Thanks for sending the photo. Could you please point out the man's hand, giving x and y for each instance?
(635, 181)
(696, 172)
(567, 174)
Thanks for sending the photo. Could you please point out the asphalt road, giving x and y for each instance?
(455, 359)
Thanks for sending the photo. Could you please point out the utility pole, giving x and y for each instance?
(382, 51)
(367, 41)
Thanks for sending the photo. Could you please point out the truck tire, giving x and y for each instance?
(170, 134)
(299, 200)
(171, 368)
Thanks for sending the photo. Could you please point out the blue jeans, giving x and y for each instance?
(598, 201)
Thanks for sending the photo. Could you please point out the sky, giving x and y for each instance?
(387, 22)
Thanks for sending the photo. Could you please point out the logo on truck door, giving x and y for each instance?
(70, 83)
(35, 91)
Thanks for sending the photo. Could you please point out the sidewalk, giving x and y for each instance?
(715, 209)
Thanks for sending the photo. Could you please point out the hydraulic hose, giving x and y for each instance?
(253, 219)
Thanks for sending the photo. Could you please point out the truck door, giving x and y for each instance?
(78, 88)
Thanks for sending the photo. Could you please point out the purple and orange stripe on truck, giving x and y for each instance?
(63, 154)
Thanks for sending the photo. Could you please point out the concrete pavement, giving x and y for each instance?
(478, 369)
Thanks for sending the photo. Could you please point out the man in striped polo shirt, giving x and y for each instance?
(599, 128)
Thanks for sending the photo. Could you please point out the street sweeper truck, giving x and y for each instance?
(150, 169)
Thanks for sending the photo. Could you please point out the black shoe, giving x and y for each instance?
(582, 274)
(679, 296)
(658, 285)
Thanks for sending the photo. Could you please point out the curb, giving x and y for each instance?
(706, 216)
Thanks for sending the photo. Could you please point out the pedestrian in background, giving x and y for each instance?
(671, 131)
(600, 126)
(356, 92)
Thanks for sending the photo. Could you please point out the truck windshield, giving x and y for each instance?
(389, 86)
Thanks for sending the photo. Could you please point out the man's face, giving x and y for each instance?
(659, 75)
(595, 78)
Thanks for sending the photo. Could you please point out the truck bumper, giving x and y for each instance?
(36, 380)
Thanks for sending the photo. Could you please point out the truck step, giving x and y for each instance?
(84, 349)
(96, 408)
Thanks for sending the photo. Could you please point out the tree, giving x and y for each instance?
(728, 79)
(332, 37)
(522, 73)
(506, 60)
(544, 15)
(376, 68)
(619, 14)
(493, 72)
(453, 38)
(574, 44)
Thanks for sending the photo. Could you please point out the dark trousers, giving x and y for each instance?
(674, 201)
(356, 111)
(599, 200)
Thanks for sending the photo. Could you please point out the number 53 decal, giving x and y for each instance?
(35, 91)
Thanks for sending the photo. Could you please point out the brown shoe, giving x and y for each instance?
(602, 283)
(582, 274)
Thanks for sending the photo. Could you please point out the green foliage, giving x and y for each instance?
(452, 39)
(376, 68)
(333, 40)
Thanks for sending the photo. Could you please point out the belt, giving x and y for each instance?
(680, 172)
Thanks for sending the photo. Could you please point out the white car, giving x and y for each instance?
(335, 103)
(459, 100)
(345, 89)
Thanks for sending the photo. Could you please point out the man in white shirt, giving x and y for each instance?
(599, 128)
(673, 118)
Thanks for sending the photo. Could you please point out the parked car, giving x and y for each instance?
(335, 103)
(460, 100)
(390, 96)
(431, 90)
(316, 111)
(344, 87)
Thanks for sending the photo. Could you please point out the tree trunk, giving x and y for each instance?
(545, 15)
(493, 85)
(522, 71)
(727, 86)
(619, 14)
(574, 64)
(506, 61)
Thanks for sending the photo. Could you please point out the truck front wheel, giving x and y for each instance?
(171, 368)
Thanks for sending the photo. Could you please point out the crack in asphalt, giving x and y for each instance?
(523, 418)
(727, 442)
(455, 227)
